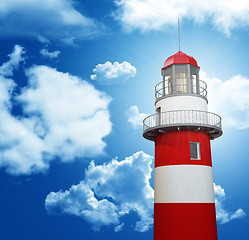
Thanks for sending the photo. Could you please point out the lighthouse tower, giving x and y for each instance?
(184, 206)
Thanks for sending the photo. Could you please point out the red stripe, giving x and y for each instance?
(185, 221)
(173, 148)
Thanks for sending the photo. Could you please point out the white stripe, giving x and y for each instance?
(184, 184)
(182, 103)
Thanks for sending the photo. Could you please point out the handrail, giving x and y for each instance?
(182, 118)
(162, 90)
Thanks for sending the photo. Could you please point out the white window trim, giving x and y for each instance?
(198, 151)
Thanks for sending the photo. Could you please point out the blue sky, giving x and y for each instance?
(76, 80)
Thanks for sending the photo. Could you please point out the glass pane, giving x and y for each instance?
(168, 87)
(181, 82)
(195, 150)
(167, 84)
(158, 116)
(193, 88)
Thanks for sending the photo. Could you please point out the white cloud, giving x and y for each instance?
(15, 58)
(63, 116)
(230, 99)
(238, 214)
(108, 192)
(222, 215)
(156, 14)
(53, 20)
(74, 115)
(79, 200)
(119, 227)
(134, 117)
(43, 40)
(70, 41)
(45, 53)
(219, 191)
(109, 73)
(7, 85)
(111, 190)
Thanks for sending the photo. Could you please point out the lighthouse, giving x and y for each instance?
(182, 127)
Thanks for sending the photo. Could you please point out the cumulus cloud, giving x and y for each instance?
(108, 192)
(230, 99)
(109, 73)
(61, 116)
(15, 58)
(80, 201)
(222, 215)
(111, 190)
(53, 20)
(134, 117)
(7, 85)
(154, 15)
(45, 53)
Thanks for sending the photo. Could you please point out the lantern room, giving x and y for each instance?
(180, 75)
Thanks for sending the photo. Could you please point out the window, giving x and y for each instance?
(194, 85)
(167, 84)
(158, 116)
(195, 150)
(181, 83)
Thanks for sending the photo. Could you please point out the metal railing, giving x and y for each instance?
(182, 118)
(162, 89)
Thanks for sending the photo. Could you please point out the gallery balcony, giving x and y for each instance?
(180, 86)
(195, 120)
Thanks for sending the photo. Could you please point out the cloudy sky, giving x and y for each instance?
(76, 80)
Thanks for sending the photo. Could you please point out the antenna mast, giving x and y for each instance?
(179, 32)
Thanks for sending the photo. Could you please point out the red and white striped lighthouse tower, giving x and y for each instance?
(184, 206)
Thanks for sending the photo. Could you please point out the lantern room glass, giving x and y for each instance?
(181, 79)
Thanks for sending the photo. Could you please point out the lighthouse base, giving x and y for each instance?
(185, 221)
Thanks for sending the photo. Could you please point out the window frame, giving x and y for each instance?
(198, 150)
